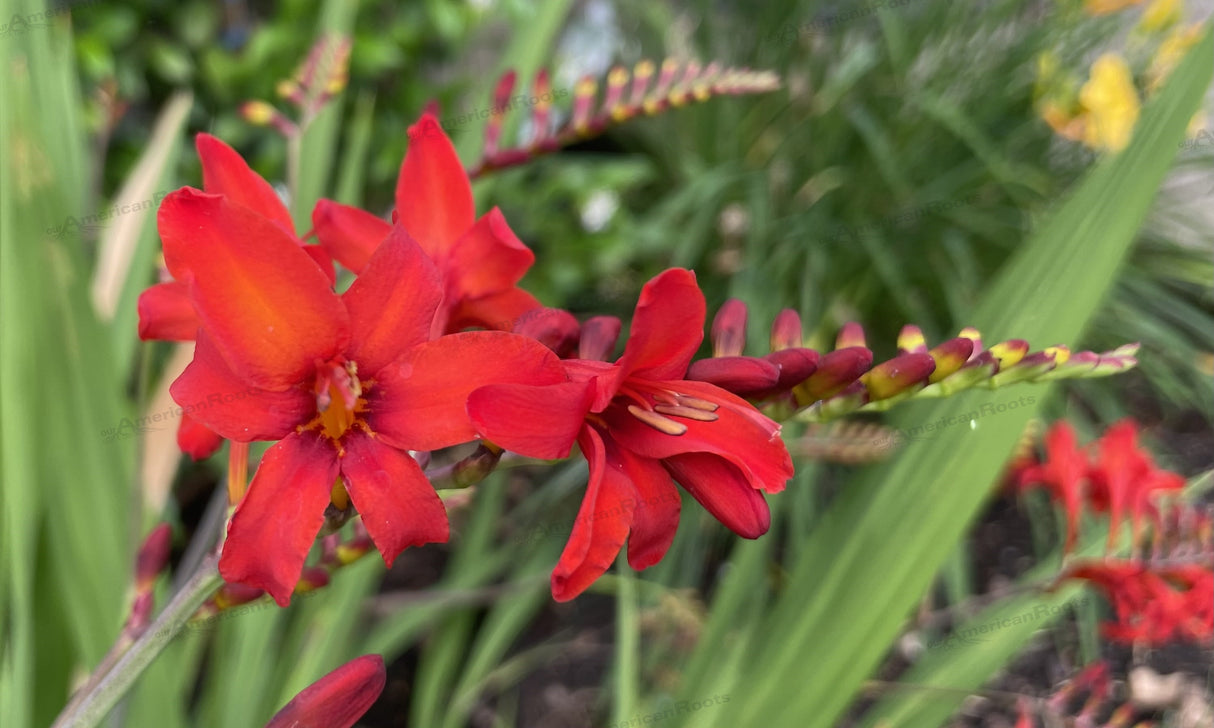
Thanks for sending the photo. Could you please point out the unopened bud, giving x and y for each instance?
(313, 577)
(599, 335)
(911, 341)
(786, 331)
(153, 556)
(729, 329)
(552, 327)
(1009, 353)
(897, 375)
(741, 375)
(851, 335)
(836, 370)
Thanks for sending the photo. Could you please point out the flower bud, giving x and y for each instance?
(338, 699)
(599, 335)
(729, 329)
(786, 331)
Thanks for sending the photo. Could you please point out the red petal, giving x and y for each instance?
(539, 422)
(433, 196)
(323, 260)
(602, 522)
(398, 505)
(488, 258)
(266, 304)
(224, 172)
(210, 393)
(166, 313)
(349, 234)
(496, 311)
(391, 303)
(724, 491)
(196, 439)
(338, 699)
(656, 517)
(276, 523)
(741, 435)
(667, 327)
(420, 401)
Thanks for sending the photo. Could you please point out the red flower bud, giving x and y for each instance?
(153, 557)
(729, 329)
(737, 374)
(898, 374)
(599, 335)
(835, 371)
(851, 335)
(552, 327)
(338, 699)
(786, 330)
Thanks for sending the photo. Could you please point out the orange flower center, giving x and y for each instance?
(338, 398)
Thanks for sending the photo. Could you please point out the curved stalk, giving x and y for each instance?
(103, 691)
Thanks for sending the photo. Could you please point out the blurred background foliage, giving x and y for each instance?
(901, 166)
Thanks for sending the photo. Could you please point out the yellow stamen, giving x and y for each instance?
(697, 403)
(657, 421)
(690, 413)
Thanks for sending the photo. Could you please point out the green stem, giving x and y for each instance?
(100, 697)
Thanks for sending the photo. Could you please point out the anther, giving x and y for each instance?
(657, 421)
(690, 413)
(686, 400)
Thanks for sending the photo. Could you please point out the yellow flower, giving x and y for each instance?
(1171, 50)
(1111, 103)
(1104, 7)
(1161, 15)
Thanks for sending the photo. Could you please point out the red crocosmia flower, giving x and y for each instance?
(1125, 478)
(1064, 474)
(348, 383)
(1154, 606)
(165, 310)
(338, 699)
(480, 261)
(640, 424)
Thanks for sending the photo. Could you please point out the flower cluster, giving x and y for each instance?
(351, 385)
(435, 345)
(1154, 601)
(1101, 112)
(1119, 477)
